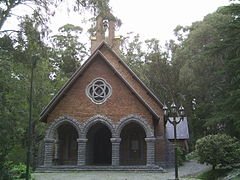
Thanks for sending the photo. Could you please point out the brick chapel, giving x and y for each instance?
(105, 115)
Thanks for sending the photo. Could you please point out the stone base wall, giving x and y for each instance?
(169, 154)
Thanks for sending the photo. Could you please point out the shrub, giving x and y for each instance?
(19, 171)
(17, 154)
(219, 149)
(214, 174)
(5, 169)
(192, 156)
(181, 155)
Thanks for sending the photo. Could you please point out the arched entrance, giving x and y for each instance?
(99, 147)
(66, 145)
(133, 145)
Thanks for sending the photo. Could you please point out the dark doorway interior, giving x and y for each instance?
(66, 145)
(99, 147)
(133, 145)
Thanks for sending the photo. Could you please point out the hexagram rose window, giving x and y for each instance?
(98, 91)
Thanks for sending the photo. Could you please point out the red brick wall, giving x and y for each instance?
(121, 103)
(136, 85)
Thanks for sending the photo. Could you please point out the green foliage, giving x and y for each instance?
(44, 9)
(70, 52)
(181, 155)
(17, 154)
(233, 175)
(206, 56)
(218, 150)
(152, 65)
(19, 171)
(5, 168)
(191, 156)
(203, 65)
(41, 9)
(96, 6)
(11, 104)
(52, 67)
(214, 174)
(16, 56)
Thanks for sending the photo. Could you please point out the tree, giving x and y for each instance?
(207, 55)
(219, 149)
(70, 52)
(161, 73)
(228, 93)
(152, 64)
(44, 9)
(15, 59)
(17, 52)
(10, 105)
(132, 52)
(7, 7)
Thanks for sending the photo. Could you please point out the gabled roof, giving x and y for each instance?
(80, 70)
(133, 74)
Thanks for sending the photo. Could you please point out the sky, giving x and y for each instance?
(151, 18)
(148, 18)
(158, 18)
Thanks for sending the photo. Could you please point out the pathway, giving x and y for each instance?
(189, 168)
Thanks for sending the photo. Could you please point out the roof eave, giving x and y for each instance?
(133, 74)
(132, 90)
(65, 87)
(60, 93)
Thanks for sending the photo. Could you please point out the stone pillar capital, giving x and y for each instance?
(82, 140)
(150, 139)
(49, 140)
(115, 140)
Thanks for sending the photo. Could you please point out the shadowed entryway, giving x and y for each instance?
(133, 145)
(99, 147)
(66, 146)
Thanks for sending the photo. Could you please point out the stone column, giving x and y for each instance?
(81, 161)
(57, 149)
(150, 151)
(115, 151)
(56, 152)
(48, 153)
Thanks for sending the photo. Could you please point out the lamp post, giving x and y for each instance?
(171, 115)
(29, 132)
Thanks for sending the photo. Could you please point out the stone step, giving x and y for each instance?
(100, 168)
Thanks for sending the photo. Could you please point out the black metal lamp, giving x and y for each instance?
(172, 116)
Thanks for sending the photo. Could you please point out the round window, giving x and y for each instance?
(98, 91)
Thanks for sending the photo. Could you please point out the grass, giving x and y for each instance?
(214, 174)
(219, 173)
(236, 178)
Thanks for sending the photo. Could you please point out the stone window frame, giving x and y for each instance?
(106, 96)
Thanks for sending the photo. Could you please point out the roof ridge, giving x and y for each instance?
(78, 72)
(134, 74)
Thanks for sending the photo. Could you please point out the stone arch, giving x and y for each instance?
(98, 119)
(136, 119)
(63, 119)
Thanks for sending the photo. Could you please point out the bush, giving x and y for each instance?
(5, 169)
(181, 155)
(219, 149)
(214, 174)
(19, 171)
(192, 156)
(17, 154)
